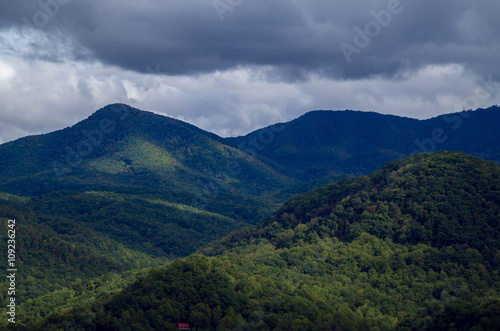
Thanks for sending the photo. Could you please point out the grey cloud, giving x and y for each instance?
(293, 38)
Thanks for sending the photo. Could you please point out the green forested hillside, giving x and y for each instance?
(413, 246)
(121, 145)
(121, 191)
(69, 241)
(57, 259)
(438, 199)
(151, 183)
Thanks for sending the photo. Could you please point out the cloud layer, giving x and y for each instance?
(231, 66)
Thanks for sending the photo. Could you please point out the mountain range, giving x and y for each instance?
(138, 170)
(125, 190)
(136, 148)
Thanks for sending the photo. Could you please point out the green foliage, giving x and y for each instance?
(55, 256)
(366, 284)
(357, 255)
(196, 290)
(147, 223)
(441, 199)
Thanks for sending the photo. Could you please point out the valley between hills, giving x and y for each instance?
(337, 220)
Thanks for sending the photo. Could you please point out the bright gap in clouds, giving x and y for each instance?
(6, 72)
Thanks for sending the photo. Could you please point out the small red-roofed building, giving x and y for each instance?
(183, 326)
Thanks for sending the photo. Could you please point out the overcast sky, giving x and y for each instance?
(232, 66)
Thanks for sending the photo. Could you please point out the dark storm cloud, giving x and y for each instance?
(291, 39)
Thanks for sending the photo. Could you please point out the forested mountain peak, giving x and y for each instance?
(323, 143)
(346, 115)
(127, 117)
(118, 142)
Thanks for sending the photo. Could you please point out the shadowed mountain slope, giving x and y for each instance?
(324, 143)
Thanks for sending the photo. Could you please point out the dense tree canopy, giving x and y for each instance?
(413, 246)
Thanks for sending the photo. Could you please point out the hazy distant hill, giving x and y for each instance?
(413, 246)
